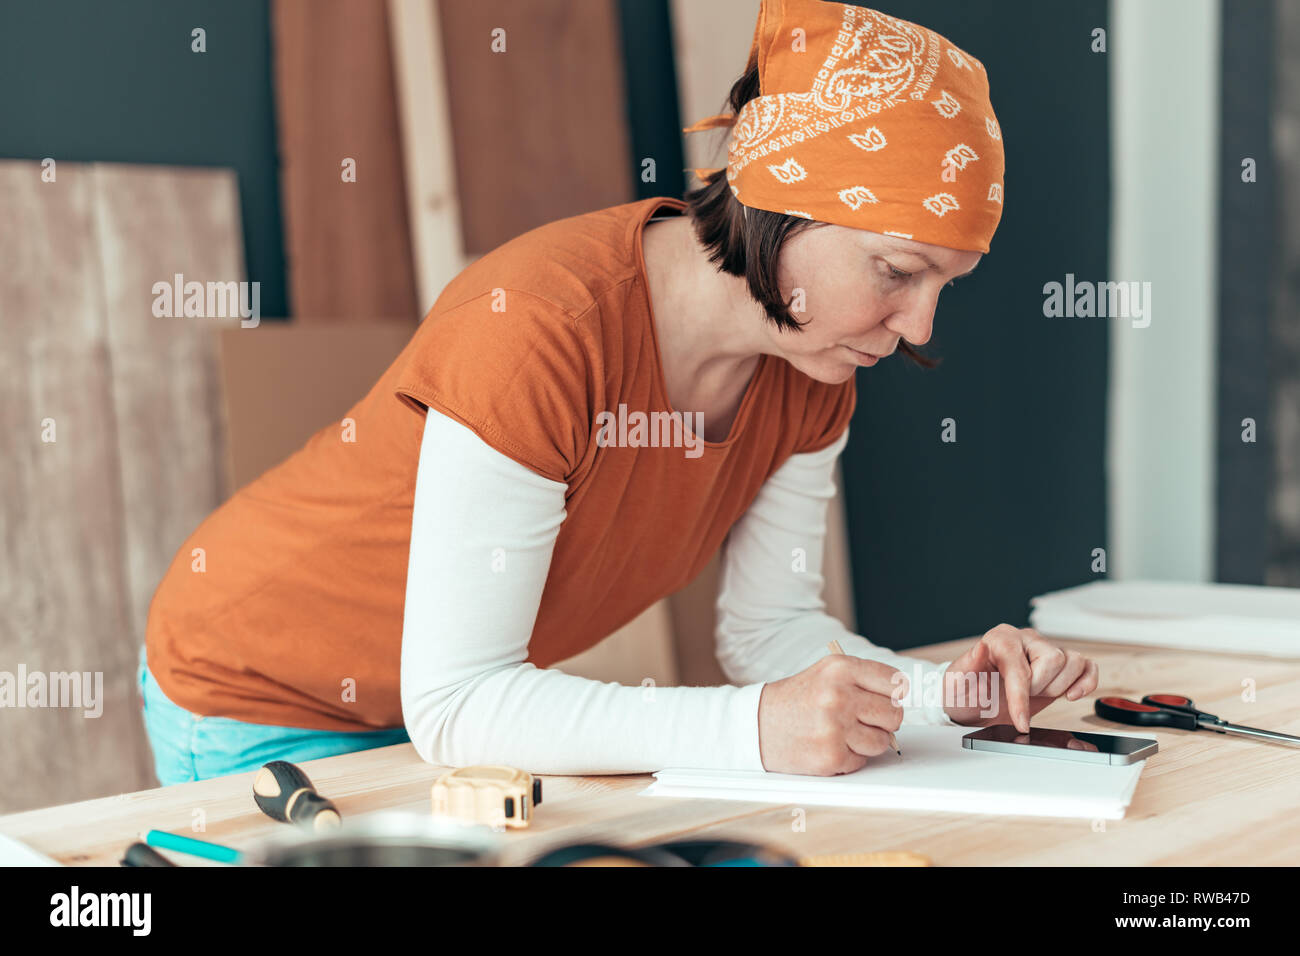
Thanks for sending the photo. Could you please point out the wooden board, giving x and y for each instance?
(1203, 800)
(284, 381)
(91, 520)
(347, 244)
(151, 224)
(422, 98)
(539, 131)
(638, 651)
(64, 585)
(710, 44)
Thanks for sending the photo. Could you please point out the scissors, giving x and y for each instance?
(1174, 710)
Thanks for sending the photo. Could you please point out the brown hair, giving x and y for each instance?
(747, 242)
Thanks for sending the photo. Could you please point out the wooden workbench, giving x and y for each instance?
(1204, 799)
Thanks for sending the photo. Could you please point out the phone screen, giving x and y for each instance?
(1076, 745)
(1064, 739)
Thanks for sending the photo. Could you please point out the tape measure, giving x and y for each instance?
(496, 796)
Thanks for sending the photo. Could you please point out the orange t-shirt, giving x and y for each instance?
(298, 605)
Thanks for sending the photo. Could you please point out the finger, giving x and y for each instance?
(876, 710)
(867, 741)
(1086, 683)
(1046, 661)
(1075, 665)
(983, 658)
(876, 677)
(1008, 654)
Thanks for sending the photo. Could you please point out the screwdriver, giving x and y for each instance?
(285, 793)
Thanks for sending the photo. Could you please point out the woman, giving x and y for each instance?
(497, 502)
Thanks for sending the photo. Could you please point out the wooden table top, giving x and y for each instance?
(1204, 799)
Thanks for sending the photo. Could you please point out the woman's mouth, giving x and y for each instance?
(865, 359)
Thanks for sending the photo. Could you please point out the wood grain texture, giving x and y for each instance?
(1203, 800)
(694, 618)
(638, 651)
(432, 200)
(284, 381)
(92, 520)
(153, 223)
(710, 43)
(540, 131)
(348, 244)
(62, 537)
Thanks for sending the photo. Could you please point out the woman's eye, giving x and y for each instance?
(897, 273)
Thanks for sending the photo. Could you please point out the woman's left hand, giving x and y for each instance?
(1028, 671)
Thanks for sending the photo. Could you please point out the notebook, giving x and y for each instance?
(934, 773)
(15, 853)
(1237, 618)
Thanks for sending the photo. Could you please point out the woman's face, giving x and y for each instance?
(862, 291)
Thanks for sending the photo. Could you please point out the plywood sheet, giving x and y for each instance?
(348, 244)
(153, 223)
(540, 129)
(284, 381)
(62, 578)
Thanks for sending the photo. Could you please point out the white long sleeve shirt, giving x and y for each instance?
(470, 697)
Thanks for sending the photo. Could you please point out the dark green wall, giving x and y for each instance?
(949, 540)
(1251, 277)
(87, 80)
(649, 74)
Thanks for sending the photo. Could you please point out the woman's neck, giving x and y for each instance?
(710, 330)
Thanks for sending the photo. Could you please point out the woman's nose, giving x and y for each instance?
(915, 323)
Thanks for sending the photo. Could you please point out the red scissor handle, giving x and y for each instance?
(1123, 703)
(1179, 702)
(1125, 711)
(1170, 700)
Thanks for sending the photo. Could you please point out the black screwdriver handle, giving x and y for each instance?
(142, 854)
(284, 793)
(1127, 711)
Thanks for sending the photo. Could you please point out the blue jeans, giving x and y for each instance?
(189, 747)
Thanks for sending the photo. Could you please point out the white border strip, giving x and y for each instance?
(1165, 68)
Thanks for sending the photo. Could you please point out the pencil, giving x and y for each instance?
(183, 844)
(835, 648)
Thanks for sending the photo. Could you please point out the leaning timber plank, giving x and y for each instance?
(63, 583)
(154, 223)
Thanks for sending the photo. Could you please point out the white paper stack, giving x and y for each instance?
(15, 853)
(1232, 618)
(934, 773)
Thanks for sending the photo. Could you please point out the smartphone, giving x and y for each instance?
(1061, 744)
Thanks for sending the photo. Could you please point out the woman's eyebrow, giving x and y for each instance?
(930, 263)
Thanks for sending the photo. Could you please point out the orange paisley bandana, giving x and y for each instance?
(876, 123)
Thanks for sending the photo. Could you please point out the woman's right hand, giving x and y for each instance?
(830, 718)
